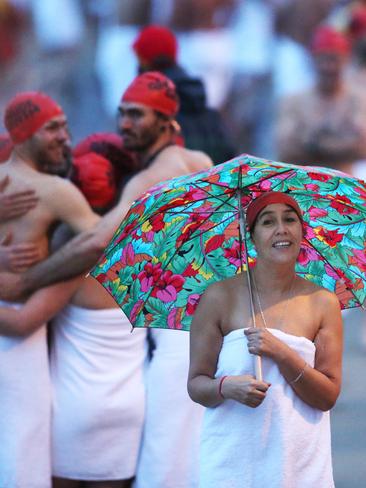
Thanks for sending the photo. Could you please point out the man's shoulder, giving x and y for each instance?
(192, 159)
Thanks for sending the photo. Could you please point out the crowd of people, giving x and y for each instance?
(85, 402)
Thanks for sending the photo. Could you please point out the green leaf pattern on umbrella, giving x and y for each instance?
(183, 235)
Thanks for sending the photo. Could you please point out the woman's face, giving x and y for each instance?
(277, 233)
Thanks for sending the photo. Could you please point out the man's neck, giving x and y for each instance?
(148, 156)
(18, 158)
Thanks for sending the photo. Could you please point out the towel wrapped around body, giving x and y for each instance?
(25, 410)
(98, 394)
(280, 444)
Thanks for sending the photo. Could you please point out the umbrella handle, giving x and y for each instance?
(258, 368)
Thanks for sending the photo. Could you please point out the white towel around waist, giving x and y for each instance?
(25, 407)
(280, 444)
(170, 445)
(99, 395)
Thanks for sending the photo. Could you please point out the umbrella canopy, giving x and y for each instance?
(184, 234)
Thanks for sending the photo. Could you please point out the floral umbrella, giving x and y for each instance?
(184, 234)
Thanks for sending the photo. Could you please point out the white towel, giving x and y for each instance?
(283, 443)
(170, 443)
(25, 407)
(98, 390)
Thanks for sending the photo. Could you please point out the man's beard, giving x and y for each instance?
(143, 142)
(61, 168)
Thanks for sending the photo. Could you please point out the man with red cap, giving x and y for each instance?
(146, 120)
(326, 125)
(156, 48)
(95, 362)
(38, 130)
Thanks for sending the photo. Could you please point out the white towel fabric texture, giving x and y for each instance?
(170, 443)
(283, 443)
(98, 394)
(25, 410)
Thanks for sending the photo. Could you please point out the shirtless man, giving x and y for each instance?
(38, 129)
(146, 120)
(147, 112)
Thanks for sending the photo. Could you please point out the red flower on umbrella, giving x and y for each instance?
(157, 222)
(167, 286)
(306, 254)
(315, 212)
(214, 243)
(331, 237)
(319, 176)
(194, 222)
(232, 254)
(343, 205)
(150, 274)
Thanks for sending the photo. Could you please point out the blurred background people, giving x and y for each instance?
(156, 48)
(326, 125)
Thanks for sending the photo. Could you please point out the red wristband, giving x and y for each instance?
(220, 386)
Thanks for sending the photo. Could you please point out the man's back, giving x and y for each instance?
(59, 200)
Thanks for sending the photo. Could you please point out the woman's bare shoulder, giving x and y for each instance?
(223, 289)
(316, 293)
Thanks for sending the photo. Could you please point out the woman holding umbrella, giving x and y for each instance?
(272, 432)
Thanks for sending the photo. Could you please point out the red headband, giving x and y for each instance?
(6, 147)
(27, 112)
(257, 205)
(328, 40)
(154, 90)
(94, 176)
(154, 42)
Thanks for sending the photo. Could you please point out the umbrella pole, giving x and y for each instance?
(242, 225)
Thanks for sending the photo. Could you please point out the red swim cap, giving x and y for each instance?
(268, 198)
(328, 40)
(27, 112)
(94, 176)
(156, 42)
(154, 90)
(6, 147)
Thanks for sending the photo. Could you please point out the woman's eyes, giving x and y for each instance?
(268, 222)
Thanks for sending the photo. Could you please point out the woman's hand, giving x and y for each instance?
(245, 389)
(262, 343)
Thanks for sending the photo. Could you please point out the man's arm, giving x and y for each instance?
(69, 206)
(81, 253)
(42, 306)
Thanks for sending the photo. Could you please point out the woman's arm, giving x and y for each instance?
(205, 345)
(320, 386)
(38, 309)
